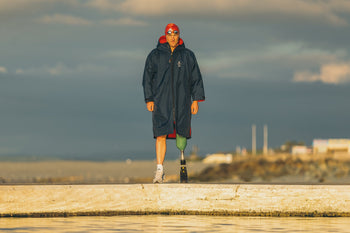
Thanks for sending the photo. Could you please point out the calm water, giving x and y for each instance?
(155, 223)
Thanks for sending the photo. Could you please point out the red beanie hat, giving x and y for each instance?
(171, 26)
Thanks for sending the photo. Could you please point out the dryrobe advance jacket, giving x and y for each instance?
(172, 81)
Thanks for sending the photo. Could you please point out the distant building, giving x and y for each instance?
(331, 146)
(301, 150)
(218, 158)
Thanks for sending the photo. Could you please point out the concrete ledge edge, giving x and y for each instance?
(175, 199)
(208, 213)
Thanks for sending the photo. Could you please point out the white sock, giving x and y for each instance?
(160, 167)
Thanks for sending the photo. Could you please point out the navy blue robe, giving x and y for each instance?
(172, 80)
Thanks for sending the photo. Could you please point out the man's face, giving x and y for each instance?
(172, 37)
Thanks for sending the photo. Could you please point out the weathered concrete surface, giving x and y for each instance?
(213, 199)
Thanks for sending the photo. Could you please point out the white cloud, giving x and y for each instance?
(17, 9)
(64, 19)
(124, 22)
(17, 5)
(247, 62)
(129, 54)
(73, 20)
(19, 71)
(250, 10)
(3, 69)
(321, 11)
(332, 73)
(103, 5)
(60, 69)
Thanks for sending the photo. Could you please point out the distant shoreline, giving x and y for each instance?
(53, 158)
(262, 169)
(89, 172)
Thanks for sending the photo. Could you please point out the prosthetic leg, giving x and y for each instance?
(181, 143)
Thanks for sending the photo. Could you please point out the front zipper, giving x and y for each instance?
(172, 84)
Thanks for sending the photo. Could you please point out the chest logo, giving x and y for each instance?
(179, 64)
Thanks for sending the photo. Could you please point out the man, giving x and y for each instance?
(173, 86)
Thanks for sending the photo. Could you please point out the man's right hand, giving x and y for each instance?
(150, 106)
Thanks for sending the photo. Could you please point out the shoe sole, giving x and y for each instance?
(159, 182)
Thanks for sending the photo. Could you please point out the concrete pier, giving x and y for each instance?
(205, 199)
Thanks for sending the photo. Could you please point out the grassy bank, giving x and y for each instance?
(280, 168)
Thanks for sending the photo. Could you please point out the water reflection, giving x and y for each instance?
(161, 223)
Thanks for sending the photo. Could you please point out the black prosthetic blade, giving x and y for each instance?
(183, 172)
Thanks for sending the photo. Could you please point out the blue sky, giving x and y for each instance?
(71, 71)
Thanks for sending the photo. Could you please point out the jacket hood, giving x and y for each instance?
(162, 40)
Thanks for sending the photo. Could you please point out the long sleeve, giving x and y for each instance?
(197, 88)
(148, 74)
